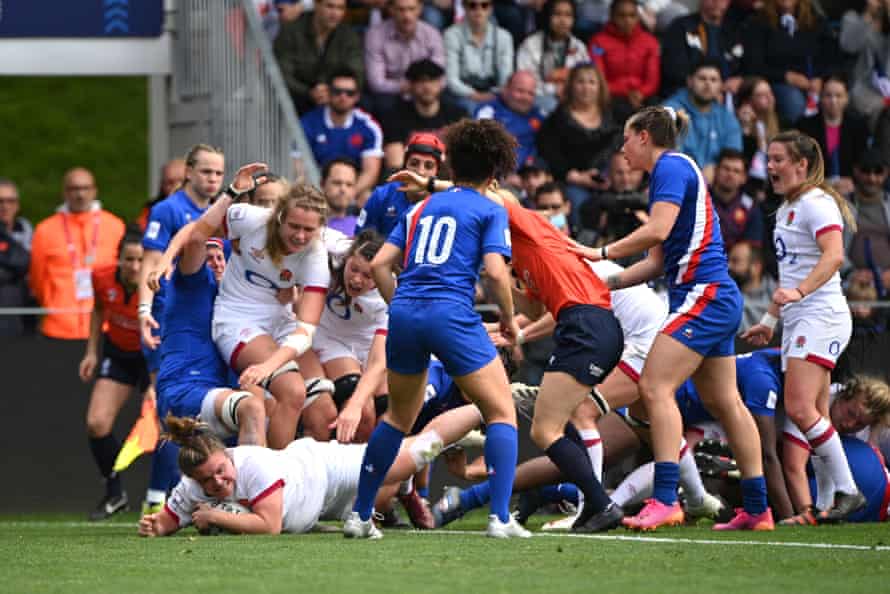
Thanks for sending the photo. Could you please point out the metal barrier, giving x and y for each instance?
(222, 56)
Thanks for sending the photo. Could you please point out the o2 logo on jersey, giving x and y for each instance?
(432, 247)
(258, 280)
(337, 305)
(834, 347)
(782, 251)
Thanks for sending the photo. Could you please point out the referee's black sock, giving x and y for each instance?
(573, 462)
(105, 450)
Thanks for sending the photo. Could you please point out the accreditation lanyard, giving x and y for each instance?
(90, 256)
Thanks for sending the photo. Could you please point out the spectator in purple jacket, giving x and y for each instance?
(393, 45)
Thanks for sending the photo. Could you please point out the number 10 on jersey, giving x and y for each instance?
(432, 247)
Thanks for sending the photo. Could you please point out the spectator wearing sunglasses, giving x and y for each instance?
(479, 56)
(340, 129)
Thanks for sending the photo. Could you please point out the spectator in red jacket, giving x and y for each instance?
(629, 58)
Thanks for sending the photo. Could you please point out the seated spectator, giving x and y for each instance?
(747, 270)
(617, 210)
(867, 319)
(551, 203)
(66, 248)
(866, 35)
(759, 121)
(479, 56)
(311, 47)
(515, 109)
(578, 139)
(791, 46)
(740, 216)
(552, 52)
(425, 111)
(15, 254)
(340, 129)
(338, 182)
(712, 127)
(871, 203)
(628, 56)
(172, 176)
(533, 173)
(708, 33)
(392, 46)
(842, 134)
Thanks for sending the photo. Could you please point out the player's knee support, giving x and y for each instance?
(287, 367)
(228, 414)
(315, 388)
(344, 387)
(599, 400)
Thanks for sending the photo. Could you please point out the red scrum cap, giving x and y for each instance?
(426, 143)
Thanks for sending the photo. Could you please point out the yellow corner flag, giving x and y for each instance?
(143, 437)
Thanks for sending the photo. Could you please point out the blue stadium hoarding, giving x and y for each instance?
(81, 18)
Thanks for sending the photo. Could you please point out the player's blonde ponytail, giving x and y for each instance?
(195, 440)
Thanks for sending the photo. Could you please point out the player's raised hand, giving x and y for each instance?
(411, 182)
(244, 178)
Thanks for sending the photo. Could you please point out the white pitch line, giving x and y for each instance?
(44, 524)
(699, 541)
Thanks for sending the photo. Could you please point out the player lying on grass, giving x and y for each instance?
(861, 408)
(287, 490)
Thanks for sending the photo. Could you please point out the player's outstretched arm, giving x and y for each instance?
(500, 282)
(159, 524)
(649, 235)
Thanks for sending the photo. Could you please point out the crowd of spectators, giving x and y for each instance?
(562, 76)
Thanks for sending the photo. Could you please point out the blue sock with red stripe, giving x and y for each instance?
(381, 452)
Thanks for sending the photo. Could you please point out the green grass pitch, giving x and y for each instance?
(61, 553)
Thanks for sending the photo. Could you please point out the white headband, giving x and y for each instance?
(671, 112)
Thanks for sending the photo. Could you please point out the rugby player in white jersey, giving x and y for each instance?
(288, 490)
(816, 319)
(273, 250)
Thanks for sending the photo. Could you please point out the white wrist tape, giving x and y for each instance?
(300, 341)
(520, 338)
(144, 310)
(769, 320)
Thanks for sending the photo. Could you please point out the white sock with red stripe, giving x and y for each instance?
(824, 483)
(690, 479)
(593, 443)
(826, 443)
(637, 486)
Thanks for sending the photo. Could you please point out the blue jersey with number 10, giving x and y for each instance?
(444, 239)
